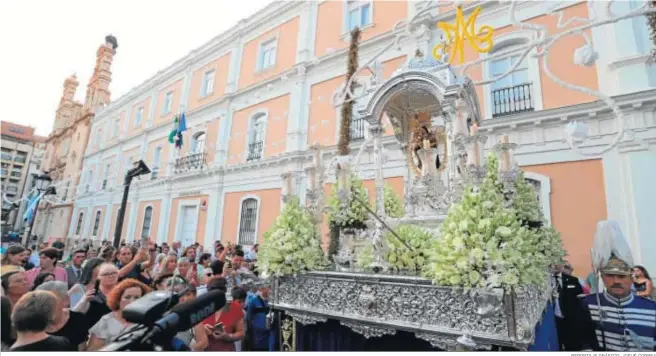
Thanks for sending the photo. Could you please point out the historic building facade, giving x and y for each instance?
(22, 153)
(67, 143)
(259, 96)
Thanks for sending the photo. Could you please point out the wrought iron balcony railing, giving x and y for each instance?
(512, 100)
(255, 150)
(190, 162)
(357, 129)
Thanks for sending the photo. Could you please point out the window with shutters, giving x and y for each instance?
(147, 221)
(358, 14)
(79, 224)
(154, 170)
(248, 222)
(207, 87)
(96, 223)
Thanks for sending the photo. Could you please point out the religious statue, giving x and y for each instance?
(423, 135)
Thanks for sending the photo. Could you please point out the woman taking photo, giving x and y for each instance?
(97, 302)
(226, 326)
(112, 325)
(86, 284)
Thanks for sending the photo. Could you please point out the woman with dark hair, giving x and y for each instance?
(642, 282)
(42, 278)
(15, 255)
(87, 281)
(226, 326)
(205, 260)
(112, 325)
(8, 338)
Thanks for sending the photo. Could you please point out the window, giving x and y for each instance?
(207, 87)
(256, 137)
(156, 160)
(104, 183)
(79, 224)
(198, 145)
(117, 123)
(358, 14)
(168, 102)
(267, 56)
(96, 223)
(514, 93)
(147, 221)
(139, 116)
(98, 136)
(248, 222)
(89, 179)
(65, 196)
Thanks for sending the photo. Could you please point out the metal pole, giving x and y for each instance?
(121, 212)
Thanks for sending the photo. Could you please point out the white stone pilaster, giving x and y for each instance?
(184, 100)
(108, 221)
(235, 66)
(164, 214)
(132, 222)
(213, 203)
(223, 138)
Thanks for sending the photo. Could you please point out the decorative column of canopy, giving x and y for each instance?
(287, 190)
(508, 169)
(474, 144)
(314, 195)
(379, 262)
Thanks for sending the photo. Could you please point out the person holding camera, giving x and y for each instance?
(226, 326)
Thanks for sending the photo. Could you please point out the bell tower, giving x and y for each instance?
(98, 93)
(66, 109)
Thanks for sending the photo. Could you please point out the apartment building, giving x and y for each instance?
(258, 96)
(22, 152)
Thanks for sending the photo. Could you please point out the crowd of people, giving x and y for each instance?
(56, 298)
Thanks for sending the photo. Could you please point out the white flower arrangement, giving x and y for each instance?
(399, 256)
(355, 214)
(482, 244)
(393, 204)
(292, 244)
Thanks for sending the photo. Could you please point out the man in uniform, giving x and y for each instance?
(622, 321)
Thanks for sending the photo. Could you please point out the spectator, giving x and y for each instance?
(158, 261)
(108, 253)
(642, 282)
(190, 254)
(87, 281)
(97, 306)
(42, 278)
(7, 338)
(220, 253)
(258, 327)
(205, 260)
(32, 314)
(16, 255)
(129, 265)
(251, 256)
(67, 322)
(160, 282)
(28, 265)
(112, 325)
(226, 326)
(48, 263)
(165, 248)
(74, 271)
(15, 285)
(167, 266)
(34, 256)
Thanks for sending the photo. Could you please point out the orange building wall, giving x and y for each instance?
(220, 66)
(201, 222)
(176, 88)
(578, 202)
(268, 211)
(287, 34)
(276, 129)
(329, 23)
(154, 226)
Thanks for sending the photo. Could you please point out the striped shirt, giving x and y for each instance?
(629, 324)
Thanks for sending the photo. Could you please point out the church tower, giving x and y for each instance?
(66, 111)
(98, 93)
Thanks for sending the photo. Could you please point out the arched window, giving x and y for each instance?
(198, 144)
(519, 91)
(154, 170)
(256, 134)
(248, 222)
(96, 224)
(79, 224)
(147, 221)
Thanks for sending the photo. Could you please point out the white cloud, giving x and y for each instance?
(43, 42)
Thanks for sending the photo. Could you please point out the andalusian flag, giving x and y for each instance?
(179, 126)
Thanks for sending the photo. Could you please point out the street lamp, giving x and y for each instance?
(42, 185)
(139, 169)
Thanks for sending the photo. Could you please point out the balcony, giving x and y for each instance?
(16, 174)
(20, 159)
(357, 129)
(255, 151)
(512, 100)
(190, 162)
(5, 156)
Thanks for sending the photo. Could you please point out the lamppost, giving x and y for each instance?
(42, 185)
(139, 169)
